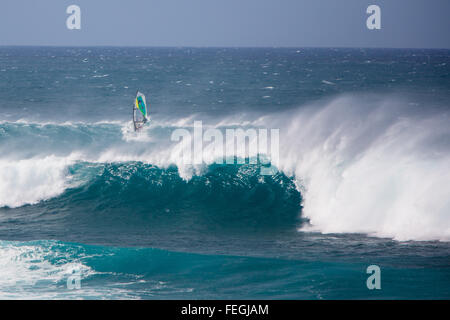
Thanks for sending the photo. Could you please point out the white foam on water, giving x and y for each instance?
(370, 167)
(45, 269)
(27, 272)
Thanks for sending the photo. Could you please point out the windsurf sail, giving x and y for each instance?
(140, 111)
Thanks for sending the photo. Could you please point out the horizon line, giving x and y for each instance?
(217, 47)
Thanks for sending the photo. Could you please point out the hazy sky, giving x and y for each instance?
(296, 23)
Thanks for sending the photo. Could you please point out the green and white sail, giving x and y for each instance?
(140, 111)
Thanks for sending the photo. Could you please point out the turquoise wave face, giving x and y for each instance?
(141, 201)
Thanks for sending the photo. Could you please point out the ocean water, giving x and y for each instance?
(363, 175)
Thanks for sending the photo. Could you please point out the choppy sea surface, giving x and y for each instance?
(363, 176)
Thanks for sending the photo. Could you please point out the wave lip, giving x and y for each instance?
(29, 181)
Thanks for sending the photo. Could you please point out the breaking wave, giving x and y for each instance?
(356, 164)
